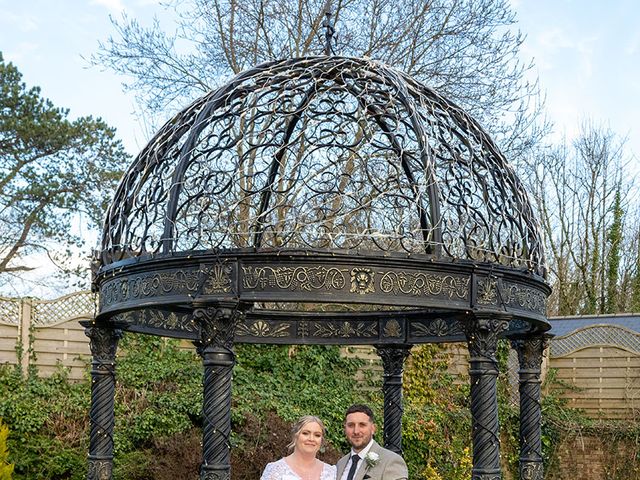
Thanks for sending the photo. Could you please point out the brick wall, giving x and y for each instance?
(587, 457)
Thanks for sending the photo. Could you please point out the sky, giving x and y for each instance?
(586, 55)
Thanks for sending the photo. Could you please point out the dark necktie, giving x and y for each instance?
(354, 465)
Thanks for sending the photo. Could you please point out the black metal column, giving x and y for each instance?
(482, 338)
(103, 343)
(217, 326)
(393, 357)
(530, 353)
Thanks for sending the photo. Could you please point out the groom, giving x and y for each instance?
(367, 459)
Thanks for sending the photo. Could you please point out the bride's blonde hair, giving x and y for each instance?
(300, 424)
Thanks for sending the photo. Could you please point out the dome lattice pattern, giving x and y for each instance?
(324, 153)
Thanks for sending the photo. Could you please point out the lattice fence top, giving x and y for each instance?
(328, 153)
(596, 335)
(76, 305)
(10, 310)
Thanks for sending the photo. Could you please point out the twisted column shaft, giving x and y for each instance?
(217, 326)
(482, 337)
(393, 357)
(530, 352)
(103, 343)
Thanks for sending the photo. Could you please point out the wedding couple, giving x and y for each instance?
(366, 461)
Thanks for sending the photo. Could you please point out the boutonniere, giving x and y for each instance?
(372, 458)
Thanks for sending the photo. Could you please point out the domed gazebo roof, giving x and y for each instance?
(323, 157)
(328, 153)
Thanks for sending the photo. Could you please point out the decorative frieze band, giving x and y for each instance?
(358, 280)
(495, 292)
(134, 287)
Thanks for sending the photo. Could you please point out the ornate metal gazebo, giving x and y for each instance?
(323, 200)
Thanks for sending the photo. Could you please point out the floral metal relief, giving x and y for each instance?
(437, 327)
(345, 329)
(218, 279)
(294, 278)
(262, 328)
(487, 292)
(392, 329)
(168, 321)
(158, 319)
(424, 284)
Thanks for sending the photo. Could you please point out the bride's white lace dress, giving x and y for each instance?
(281, 471)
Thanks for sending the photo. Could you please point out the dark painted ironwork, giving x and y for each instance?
(482, 334)
(103, 343)
(329, 29)
(217, 325)
(369, 147)
(393, 358)
(530, 353)
(342, 202)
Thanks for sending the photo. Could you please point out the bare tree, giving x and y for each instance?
(583, 194)
(468, 50)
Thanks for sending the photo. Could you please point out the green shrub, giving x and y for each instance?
(437, 422)
(6, 469)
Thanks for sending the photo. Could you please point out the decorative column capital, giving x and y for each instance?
(103, 342)
(217, 324)
(530, 351)
(393, 358)
(482, 334)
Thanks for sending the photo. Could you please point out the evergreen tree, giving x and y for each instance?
(614, 239)
(54, 173)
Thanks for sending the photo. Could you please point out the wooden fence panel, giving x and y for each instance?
(63, 344)
(8, 335)
(603, 363)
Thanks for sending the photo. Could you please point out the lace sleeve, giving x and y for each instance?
(274, 470)
(269, 472)
(329, 472)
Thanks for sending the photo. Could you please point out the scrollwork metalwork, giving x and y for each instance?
(217, 325)
(532, 471)
(148, 285)
(424, 284)
(482, 334)
(99, 469)
(523, 297)
(294, 278)
(324, 152)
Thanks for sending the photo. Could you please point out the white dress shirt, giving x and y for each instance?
(362, 453)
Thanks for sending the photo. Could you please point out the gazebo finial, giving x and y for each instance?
(328, 27)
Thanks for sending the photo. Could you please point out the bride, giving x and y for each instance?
(307, 438)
